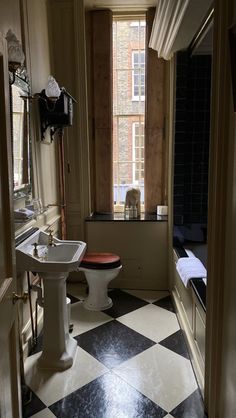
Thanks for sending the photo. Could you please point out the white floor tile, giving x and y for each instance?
(148, 295)
(45, 413)
(85, 320)
(152, 321)
(52, 386)
(160, 374)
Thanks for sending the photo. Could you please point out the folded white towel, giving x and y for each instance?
(190, 253)
(190, 268)
(23, 214)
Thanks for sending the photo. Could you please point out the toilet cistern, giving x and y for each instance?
(53, 263)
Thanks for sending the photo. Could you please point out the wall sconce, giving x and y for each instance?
(16, 56)
(55, 108)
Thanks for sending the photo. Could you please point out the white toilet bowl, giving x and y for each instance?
(99, 270)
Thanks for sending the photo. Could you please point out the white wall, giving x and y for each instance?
(10, 17)
(39, 66)
(69, 66)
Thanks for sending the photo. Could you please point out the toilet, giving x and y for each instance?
(99, 270)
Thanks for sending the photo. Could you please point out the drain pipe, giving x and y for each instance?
(31, 308)
(39, 290)
(38, 302)
(35, 286)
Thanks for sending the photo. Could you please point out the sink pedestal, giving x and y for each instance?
(59, 348)
(53, 263)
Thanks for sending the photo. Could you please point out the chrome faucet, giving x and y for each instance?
(51, 242)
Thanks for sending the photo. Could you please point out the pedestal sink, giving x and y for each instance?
(53, 263)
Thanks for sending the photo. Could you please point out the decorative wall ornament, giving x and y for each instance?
(176, 23)
(16, 56)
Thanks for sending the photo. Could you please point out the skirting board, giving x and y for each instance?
(194, 354)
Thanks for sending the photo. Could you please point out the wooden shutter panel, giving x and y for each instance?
(154, 125)
(102, 88)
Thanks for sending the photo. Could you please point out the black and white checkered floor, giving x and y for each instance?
(131, 362)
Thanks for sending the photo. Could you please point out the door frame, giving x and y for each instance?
(219, 178)
(9, 330)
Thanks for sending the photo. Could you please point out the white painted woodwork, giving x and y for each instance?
(176, 23)
(120, 5)
(221, 307)
(142, 247)
(192, 320)
(9, 332)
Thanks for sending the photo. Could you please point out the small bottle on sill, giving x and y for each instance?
(135, 212)
(127, 212)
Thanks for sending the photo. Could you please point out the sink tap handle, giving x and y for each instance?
(50, 238)
(35, 251)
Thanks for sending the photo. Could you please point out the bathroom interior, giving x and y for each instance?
(59, 194)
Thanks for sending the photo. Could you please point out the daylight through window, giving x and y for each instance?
(128, 107)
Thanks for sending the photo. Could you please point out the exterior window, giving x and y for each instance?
(136, 23)
(128, 107)
(138, 75)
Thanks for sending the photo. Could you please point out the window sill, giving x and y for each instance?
(43, 221)
(111, 217)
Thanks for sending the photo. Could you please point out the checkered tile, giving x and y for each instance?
(131, 362)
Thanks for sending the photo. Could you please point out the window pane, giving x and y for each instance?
(128, 106)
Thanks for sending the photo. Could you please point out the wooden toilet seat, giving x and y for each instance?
(100, 261)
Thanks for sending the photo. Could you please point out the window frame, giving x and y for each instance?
(138, 97)
(135, 48)
(134, 147)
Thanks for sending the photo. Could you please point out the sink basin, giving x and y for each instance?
(53, 264)
(64, 257)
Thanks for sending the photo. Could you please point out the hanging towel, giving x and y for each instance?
(190, 268)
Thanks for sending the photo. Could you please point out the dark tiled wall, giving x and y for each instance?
(192, 126)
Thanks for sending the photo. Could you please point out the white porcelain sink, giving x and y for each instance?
(64, 257)
(53, 264)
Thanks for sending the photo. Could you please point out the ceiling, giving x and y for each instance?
(120, 4)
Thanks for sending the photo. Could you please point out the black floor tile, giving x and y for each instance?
(33, 406)
(73, 299)
(165, 303)
(39, 345)
(123, 303)
(192, 407)
(112, 343)
(107, 396)
(176, 343)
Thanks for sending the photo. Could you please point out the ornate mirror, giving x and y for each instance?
(19, 88)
